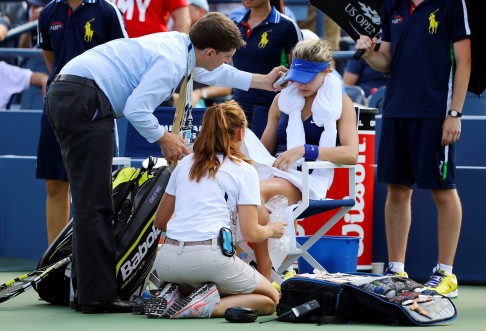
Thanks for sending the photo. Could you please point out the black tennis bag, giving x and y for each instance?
(364, 298)
(136, 196)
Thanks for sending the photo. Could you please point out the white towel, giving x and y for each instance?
(326, 110)
(263, 161)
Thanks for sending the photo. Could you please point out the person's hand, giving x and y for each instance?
(270, 78)
(366, 43)
(277, 229)
(451, 130)
(172, 146)
(287, 158)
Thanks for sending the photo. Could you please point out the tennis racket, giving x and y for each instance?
(183, 113)
(16, 286)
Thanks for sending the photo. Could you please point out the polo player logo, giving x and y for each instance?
(263, 40)
(88, 32)
(433, 23)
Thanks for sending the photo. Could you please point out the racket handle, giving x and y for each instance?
(358, 54)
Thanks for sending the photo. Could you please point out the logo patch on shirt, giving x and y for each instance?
(433, 23)
(264, 39)
(88, 32)
(56, 26)
(397, 19)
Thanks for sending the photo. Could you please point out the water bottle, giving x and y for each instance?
(278, 248)
(277, 205)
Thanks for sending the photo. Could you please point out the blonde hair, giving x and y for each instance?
(313, 51)
(219, 127)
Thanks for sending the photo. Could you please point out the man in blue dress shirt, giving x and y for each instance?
(128, 77)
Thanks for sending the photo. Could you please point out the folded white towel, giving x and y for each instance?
(326, 110)
(263, 161)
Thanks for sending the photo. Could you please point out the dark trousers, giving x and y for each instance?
(83, 121)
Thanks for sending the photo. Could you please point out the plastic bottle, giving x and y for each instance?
(278, 248)
(277, 205)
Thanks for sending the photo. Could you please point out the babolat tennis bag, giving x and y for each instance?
(364, 298)
(136, 196)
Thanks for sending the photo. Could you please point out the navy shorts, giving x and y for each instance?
(410, 153)
(50, 164)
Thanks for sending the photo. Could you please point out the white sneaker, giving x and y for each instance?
(200, 304)
(162, 300)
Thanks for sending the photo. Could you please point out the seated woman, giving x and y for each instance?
(205, 193)
(304, 123)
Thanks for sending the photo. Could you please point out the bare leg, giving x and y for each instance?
(264, 300)
(268, 189)
(57, 207)
(397, 221)
(449, 222)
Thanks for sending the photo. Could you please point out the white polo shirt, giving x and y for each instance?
(14, 80)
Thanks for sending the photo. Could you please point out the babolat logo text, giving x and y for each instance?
(156, 193)
(137, 255)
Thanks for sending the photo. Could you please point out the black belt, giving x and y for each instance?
(76, 79)
(189, 243)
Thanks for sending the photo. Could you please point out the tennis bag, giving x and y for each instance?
(136, 196)
(364, 298)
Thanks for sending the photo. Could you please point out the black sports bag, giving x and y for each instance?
(364, 298)
(136, 196)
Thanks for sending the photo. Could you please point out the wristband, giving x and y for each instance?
(311, 152)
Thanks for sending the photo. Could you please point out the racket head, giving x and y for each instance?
(17, 285)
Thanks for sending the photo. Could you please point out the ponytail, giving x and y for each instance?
(219, 128)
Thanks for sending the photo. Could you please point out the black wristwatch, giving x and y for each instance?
(454, 113)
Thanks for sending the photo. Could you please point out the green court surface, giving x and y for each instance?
(27, 312)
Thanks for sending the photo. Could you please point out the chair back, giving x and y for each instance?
(32, 98)
(356, 93)
(376, 99)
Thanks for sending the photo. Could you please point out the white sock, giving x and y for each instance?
(444, 267)
(396, 266)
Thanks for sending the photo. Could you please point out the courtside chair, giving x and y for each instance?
(308, 207)
(32, 99)
(356, 93)
(376, 99)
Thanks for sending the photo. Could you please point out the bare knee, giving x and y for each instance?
(268, 306)
(399, 193)
(442, 197)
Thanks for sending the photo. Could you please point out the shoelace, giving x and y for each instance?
(434, 281)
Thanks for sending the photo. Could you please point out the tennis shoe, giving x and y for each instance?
(389, 272)
(199, 304)
(162, 300)
(443, 283)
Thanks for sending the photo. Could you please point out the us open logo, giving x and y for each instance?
(363, 18)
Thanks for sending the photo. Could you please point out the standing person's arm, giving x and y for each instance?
(182, 19)
(451, 130)
(39, 79)
(4, 27)
(378, 60)
(48, 59)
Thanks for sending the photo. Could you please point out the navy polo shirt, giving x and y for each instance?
(263, 51)
(69, 33)
(422, 68)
